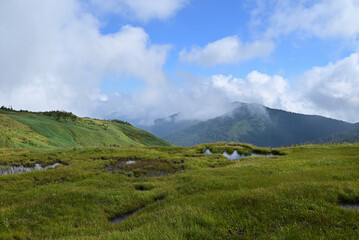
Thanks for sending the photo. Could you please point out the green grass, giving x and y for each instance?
(17, 134)
(241, 148)
(42, 130)
(292, 196)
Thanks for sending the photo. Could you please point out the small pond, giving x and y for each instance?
(124, 217)
(5, 170)
(130, 162)
(145, 168)
(235, 155)
(130, 213)
(350, 206)
(207, 152)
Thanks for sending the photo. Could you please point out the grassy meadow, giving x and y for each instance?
(180, 193)
(22, 129)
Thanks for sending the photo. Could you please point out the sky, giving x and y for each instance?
(140, 60)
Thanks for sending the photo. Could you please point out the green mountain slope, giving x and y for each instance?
(351, 136)
(259, 125)
(61, 129)
(165, 126)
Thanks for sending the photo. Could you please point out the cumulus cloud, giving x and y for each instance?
(53, 56)
(141, 9)
(227, 50)
(324, 18)
(195, 98)
(272, 91)
(57, 58)
(333, 90)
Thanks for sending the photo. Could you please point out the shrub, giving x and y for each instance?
(120, 122)
(58, 115)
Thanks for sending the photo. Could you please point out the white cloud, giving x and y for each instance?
(142, 9)
(198, 101)
(227, 50)
(53, 56)
(333, 90)
(324, 18)
(272, 91)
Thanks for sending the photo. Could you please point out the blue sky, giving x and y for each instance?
(140, 60)
(198, 23)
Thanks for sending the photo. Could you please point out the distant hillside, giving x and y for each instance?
(62, 129)
(165, 126)
(259, 125)
(351, 136)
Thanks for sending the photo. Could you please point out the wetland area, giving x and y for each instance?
(308, 191)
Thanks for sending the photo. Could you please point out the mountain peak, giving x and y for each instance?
(260, 125)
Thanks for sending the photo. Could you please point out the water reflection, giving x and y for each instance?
(124, 217)
(130, 162)
(235, 155)
(5, 170)
(350, 206)
(208, 152)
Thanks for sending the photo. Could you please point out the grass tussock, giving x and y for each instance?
(241, 148)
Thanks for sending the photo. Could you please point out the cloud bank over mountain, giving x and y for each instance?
(55, 55)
